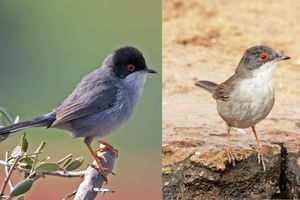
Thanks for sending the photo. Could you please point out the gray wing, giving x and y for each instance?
(90, 96)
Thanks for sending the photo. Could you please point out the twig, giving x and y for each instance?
(92, 177)
(2, 162)
(30, 154)
(103, 190)
(67, 174)
(6, 168)
(64, 174)
(64, 159)
(5, 197)
(60, 173)
(91, 184)
(9, 174)
(70, 195)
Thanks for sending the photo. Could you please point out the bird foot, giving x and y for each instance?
(101, 170)
(107, 147)
(231, 156)
(261, 158)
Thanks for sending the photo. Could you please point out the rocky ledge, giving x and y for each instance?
(207, 174)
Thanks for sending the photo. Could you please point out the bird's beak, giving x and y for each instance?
(282, 57)
(151, 71)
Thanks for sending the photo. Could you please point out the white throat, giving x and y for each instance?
(264, 72)
(260, 82)
(135, 82)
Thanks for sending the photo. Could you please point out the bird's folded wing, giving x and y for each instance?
(223, 90)
(80, 104)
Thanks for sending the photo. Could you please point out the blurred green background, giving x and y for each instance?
(46, 47)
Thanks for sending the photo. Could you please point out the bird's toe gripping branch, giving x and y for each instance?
(99, 161)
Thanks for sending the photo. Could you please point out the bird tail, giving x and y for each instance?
(207, 85)
(45, 120)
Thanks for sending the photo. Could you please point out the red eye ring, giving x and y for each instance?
(130, 67)
(263, 57)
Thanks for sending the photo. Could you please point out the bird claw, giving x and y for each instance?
(113, 173)
(101, 170)
(107, 147)
(231, 156)
(261, 158)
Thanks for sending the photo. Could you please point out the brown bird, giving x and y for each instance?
(247, 97)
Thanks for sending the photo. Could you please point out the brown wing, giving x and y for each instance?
(223, 90)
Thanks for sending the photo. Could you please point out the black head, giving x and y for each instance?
(257, 56)
(128, 60)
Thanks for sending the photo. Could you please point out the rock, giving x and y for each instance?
(209, 175)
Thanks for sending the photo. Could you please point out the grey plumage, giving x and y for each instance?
(102, 101)
(37, 122)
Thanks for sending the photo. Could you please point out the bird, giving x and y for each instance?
(248, 96)
(101, 102)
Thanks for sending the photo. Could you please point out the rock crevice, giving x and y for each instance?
(208, 175)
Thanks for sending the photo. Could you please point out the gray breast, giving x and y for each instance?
(103, 123)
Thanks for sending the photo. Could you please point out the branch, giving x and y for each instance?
(64, 159)
(6, 168)
(9, 174)
(91, 184)
(79, 174)
(92, 178)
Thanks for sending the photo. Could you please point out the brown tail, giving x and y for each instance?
(207, 85)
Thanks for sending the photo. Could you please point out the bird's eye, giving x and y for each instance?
(263, 57)
(130, 67)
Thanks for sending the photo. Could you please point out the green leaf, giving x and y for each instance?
(21, 188)
(42, 145)
(25, 164)
(75, 164)
(26, 174)
(26, 169)
(17, 119)
(1, 122)
(45, 159)
(38, 150)
(27, 161)
(46, 167)
(8, 116)
(24, 143)
(67, 161)
(17, 151)
(20, 198)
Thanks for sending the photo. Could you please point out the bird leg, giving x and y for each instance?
(230, 154)
(102, 170)
(107, 146)
(260, 150)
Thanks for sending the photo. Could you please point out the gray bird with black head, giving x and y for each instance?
(248, 96)
(101, 103)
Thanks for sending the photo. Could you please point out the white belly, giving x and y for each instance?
(251, 101)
